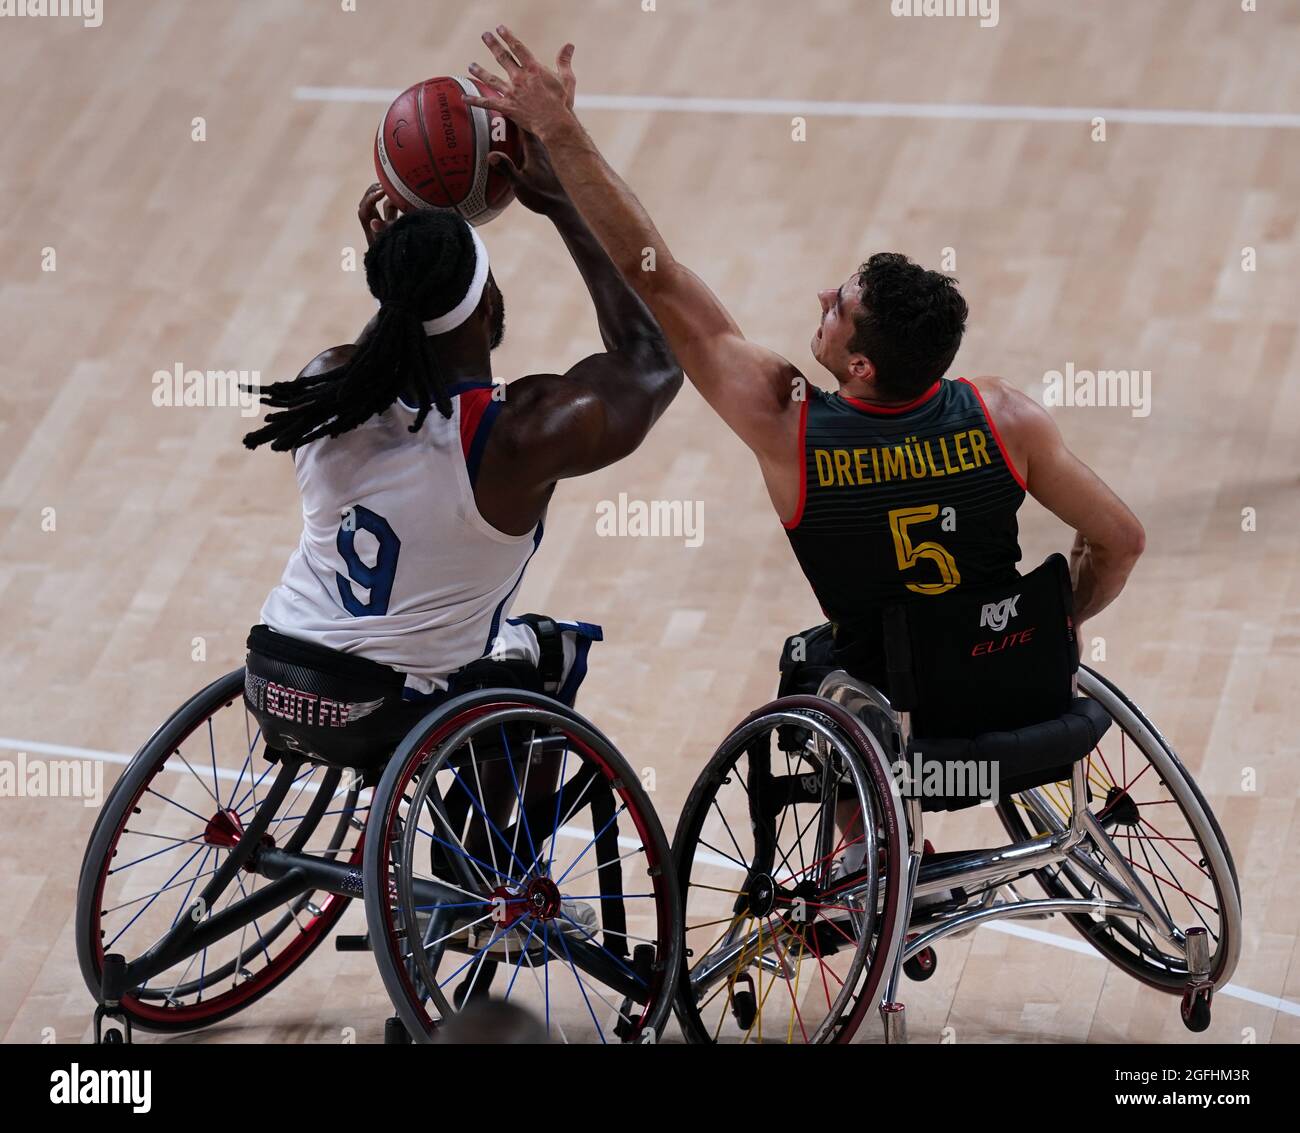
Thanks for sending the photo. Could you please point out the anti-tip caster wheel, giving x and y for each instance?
(1195, 1008)
(921, 966)
(744, 1003)
(395, 1032)
(643, 958)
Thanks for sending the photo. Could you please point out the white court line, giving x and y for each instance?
(38, 748)
(230, 776)
(946, 111)
(1262, 999)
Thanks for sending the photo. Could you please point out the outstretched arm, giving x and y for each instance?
(751, 388)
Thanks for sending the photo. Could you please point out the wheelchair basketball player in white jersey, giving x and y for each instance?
(425, 486)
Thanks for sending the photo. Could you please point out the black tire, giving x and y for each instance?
(922, 966)
(1195, 1011)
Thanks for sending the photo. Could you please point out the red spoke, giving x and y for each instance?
(1102, 757)
(821, 967)
(1189, 896)
(839, 930)
(1129, 786)
(780, 955)
(1101, 814)
(1195, 864)
(813, 865)
(842, 845)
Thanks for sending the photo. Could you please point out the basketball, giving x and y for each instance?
(431, 151)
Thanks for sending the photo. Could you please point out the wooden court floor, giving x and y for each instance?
(139, 541)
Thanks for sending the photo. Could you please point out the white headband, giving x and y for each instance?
(467, 306)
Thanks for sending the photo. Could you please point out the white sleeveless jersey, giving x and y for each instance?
(395, 562)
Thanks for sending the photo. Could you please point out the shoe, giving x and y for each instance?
(577, 918)
(848, 861)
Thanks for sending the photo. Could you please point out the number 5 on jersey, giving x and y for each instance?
(910, 554)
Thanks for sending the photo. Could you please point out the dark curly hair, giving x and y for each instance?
(910, 323)
(418, 268)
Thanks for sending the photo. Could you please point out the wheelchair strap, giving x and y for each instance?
(550, 664)
(898, 653)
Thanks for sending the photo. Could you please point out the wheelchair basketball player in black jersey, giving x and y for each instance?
(900, 486)
(801, 844)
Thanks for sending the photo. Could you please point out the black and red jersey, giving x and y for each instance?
(901, 503)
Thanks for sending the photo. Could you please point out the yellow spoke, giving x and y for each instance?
(1100, 783)
(740, 962)
(762, 1000)
(794, 1002)
(708, 951)
(1059, 799)
(710, 924)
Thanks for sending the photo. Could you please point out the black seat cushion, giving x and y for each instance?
(1024, 757)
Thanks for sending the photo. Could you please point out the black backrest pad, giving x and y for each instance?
(346, 709)
(984, 659)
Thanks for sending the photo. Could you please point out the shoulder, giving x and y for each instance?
(546, 409)
(1011, 409)
(820, 403)
(1028, 435)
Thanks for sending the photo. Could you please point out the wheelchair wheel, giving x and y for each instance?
(169, 824)
(514, 855)
(791, 858)
(1161, 825)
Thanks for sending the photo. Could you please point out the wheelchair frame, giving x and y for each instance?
(999, 868)
(293, 876)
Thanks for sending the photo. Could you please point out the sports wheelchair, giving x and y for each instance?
(810, 889)
(504, 843)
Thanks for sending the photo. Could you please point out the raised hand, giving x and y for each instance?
(532, 96)
(376, 212)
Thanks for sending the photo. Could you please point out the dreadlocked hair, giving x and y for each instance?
(419, 268)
